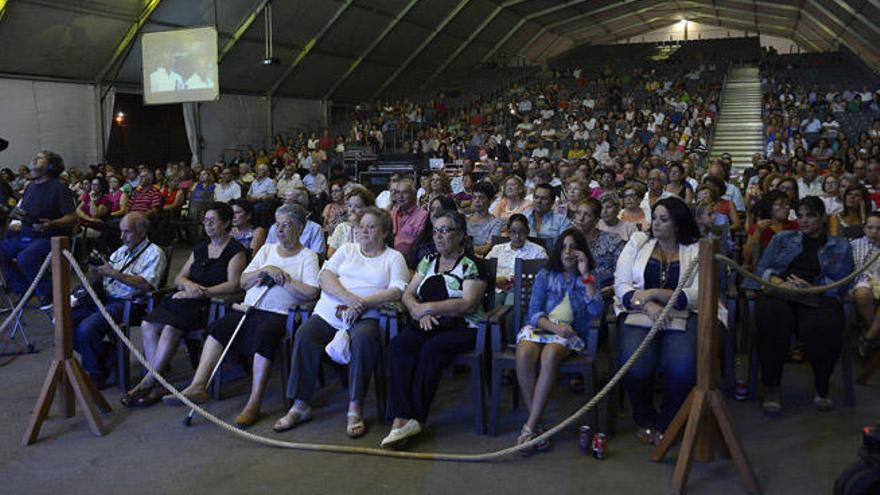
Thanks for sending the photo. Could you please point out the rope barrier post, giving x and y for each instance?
(703, 418)
(65, 373)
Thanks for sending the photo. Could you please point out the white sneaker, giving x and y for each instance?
(398, 435)
(823, 404)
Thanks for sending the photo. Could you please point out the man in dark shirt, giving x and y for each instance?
(47, 209)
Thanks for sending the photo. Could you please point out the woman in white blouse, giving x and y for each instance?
(519, 247)
(359, 279)
(294, 271)
(648, 270)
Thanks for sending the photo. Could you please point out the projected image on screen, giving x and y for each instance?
(180, 66)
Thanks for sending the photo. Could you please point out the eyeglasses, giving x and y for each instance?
(285, 225)
(444, 230)
(210, 220)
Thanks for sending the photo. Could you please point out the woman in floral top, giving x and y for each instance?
(443, 299)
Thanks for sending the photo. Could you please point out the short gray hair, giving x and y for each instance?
(296, 213)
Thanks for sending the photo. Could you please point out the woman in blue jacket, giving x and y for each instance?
(565, 299)
(800, 259)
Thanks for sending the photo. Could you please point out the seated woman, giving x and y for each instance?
(648, 271)
(513, 199)
(335, 212)
(118, 198)
(173, 195)
(355, 283)
(356, 201)
(243, 230)
(772, 213)
(850, 221)
(632, 211)
(94, 207)
(564, 301)
(482, 226)
(710, 191)
(800, 259)
(213, 269)
(201, 195)
(443, 299)
(604, 246)
(294, 270)
(519, 247)
(424, 243)
(713, 225)
(867, 285)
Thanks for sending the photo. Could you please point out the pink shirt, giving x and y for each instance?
(407, 226)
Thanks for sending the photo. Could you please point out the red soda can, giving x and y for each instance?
(585, 439)
(741, 390)
(600, 445)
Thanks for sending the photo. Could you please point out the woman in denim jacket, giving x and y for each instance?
(801, 259)
(565, 299)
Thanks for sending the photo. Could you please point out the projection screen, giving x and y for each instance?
(180, 66)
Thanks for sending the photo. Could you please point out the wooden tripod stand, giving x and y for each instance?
(65, 373)
(703, 418)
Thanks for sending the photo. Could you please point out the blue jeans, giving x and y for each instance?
(90, 327)
(673, 352)
(28, 253)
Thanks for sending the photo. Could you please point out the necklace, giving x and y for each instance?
(665, 265)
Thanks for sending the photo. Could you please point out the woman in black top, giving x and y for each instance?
(214, 268)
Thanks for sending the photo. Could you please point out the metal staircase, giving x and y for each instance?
(740, 128)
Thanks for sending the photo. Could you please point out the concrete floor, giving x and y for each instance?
(149, 451)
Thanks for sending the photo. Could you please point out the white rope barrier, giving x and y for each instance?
(27, 294)
(342, 449)
(818, 289)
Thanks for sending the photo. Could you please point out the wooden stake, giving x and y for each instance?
(65, 373)
(703, 417)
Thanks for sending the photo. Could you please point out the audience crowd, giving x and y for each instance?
(605, 174)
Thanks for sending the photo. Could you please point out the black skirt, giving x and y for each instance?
(183, 314)
(261, 333)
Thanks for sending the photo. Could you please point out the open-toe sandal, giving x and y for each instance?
(293, 418)
(356, 427)
(134, 396)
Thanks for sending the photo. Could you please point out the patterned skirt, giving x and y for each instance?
(529, 333)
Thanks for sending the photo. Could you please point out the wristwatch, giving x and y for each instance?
(636, 302)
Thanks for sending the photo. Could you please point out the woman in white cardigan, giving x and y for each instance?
(648, 271)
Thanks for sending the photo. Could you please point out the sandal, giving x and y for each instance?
(293, 418)
(355, 427)
(133, 397)
(543, 445)
(525, 435)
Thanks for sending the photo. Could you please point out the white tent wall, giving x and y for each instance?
(57, 116)
(236, 121)
(233, 122)
(292, 115)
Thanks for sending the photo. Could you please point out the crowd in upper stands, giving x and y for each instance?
(605, 174)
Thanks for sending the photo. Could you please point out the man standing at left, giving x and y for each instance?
(46, 210)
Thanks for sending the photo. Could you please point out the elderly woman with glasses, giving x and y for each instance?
(293, 269)
(443, 299)
(212, 269)
(358, 280)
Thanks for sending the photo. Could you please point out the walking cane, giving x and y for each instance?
(268, 282)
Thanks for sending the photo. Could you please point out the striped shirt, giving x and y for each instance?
(145, 199)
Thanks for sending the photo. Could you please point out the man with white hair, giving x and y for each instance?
(132, 269)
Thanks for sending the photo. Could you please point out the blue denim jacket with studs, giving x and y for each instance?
(835, 260)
